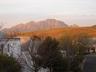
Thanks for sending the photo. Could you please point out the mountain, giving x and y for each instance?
(35, 26)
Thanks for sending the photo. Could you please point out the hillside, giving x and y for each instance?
(58, 32)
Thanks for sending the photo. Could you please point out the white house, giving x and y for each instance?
(10, 46)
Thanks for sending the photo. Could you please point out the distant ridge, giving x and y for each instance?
(94, 26)
(36, 26)
(74, 26)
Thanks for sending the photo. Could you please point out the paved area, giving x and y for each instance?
(90, 63)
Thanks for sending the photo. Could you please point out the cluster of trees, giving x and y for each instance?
(50, 54)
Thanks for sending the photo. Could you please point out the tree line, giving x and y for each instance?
(65, 55)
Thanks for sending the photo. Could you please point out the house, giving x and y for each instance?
(10, 46)
(92, 45)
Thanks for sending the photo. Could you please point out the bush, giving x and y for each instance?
(9, 64)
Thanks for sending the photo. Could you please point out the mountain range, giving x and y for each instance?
(35, 26)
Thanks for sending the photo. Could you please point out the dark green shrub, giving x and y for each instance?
(9, 64)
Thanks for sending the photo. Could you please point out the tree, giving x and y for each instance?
(31, 58)
(66, 44)
(75, 65)
(75, 50)
(82, 44)
(9, 64)
(51, 57)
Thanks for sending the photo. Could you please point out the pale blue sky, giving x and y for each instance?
(81, 12)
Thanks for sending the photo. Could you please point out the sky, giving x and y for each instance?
(80, 12)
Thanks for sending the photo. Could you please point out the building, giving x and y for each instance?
(92, 46)
(10, 46)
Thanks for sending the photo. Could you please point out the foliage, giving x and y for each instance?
(76, 63)
(9, 64)
(51, 57)
(75, 48)
(60, 65)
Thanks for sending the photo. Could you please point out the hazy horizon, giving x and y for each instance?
(80, 20)
(80, 12)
